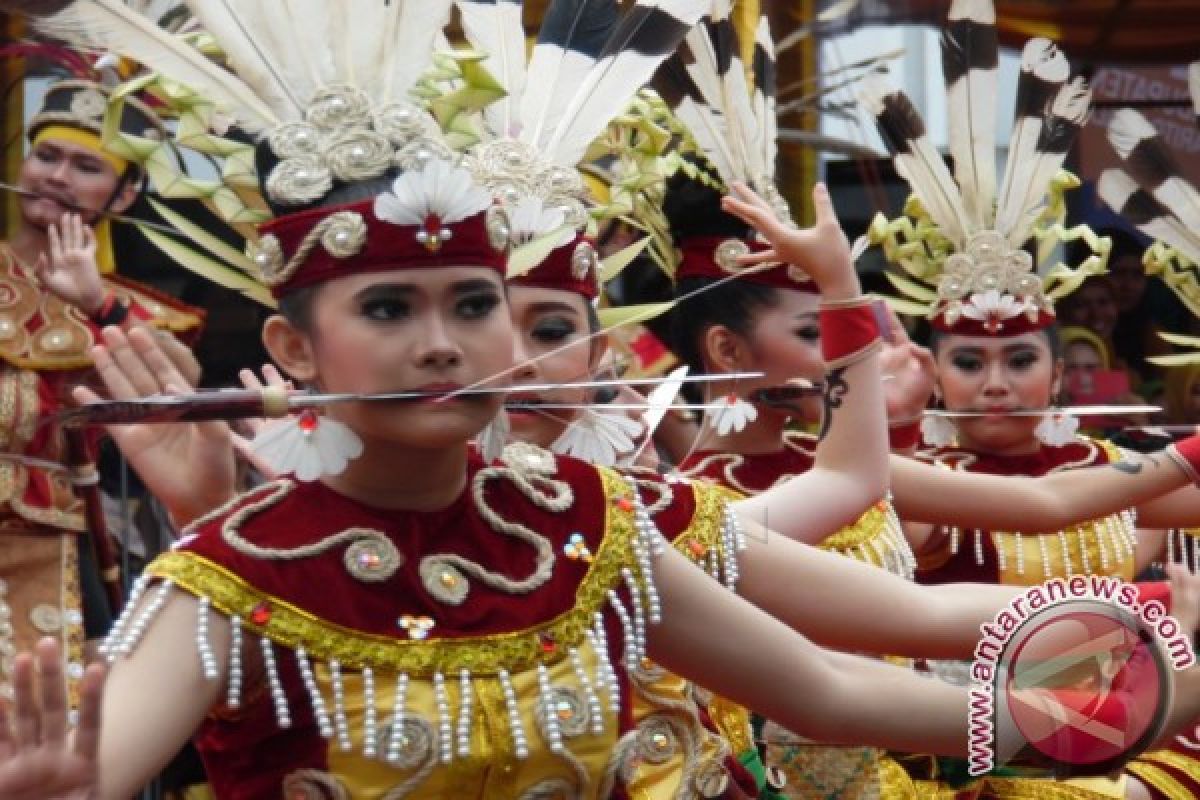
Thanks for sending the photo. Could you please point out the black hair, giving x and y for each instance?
(694, 209)
(1053, 339)
(733, 305)
(296, 308)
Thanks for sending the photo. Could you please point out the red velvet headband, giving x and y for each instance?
(570, 268)
(703, 257)
(383, 245)
(1013, 326)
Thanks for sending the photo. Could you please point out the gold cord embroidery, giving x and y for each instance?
(515, 650)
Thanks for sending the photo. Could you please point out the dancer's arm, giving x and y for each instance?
(850, 471)
(848, 605)
(926, 493)
(741, 652)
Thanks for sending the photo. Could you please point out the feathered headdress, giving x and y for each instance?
(324, 87)
(732, 122)
(960, 243)
(589, 62)
(1149, 191)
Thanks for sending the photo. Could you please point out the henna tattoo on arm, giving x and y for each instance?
(832, 397)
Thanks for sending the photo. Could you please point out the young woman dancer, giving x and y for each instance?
(422, 622)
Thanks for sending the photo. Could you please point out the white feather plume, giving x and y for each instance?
(111, 26)
(1042, 64)
(261, 52)
(972, 115)
(605, 90)
(1115, 188)
(765, 111)
(1144, 152)
(560, 69)
(496, 29)
(1068, 112)
(921, 165)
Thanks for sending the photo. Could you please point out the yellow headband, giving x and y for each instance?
(84, 139)
(1070, 334)
(105, 261)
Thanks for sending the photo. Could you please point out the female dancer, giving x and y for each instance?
(485, 664)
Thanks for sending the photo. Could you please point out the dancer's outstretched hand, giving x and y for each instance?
(38, 759)
(910, 374)
(69, 268)
(822, 251)
(188, 466)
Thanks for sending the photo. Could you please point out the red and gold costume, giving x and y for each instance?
(1104, 546)
(44, 352)
(1101, 547)
(876, 538)
(394, 662)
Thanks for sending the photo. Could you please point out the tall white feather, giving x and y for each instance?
(916, 159)
(559, 70)
(708, 127)
(972, 112)
(1115, 188)
(604, 91)
(1044, 69)
(1069, 112)
(739, 110)
(1138, 144)
(764, 105)
(419, 32)
(496, 29)
(304, 33)
(112, 26)
(259, 52)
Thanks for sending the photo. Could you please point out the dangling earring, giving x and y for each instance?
(1056, 429)
(731, 414)
(599, 437)
(937, 431)
(308, 445)
(494, 437)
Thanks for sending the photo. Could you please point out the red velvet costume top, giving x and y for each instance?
(1101, 547)
(44, 352)
(503, 634)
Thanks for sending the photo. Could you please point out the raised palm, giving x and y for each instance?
(39, 759)
(190, 467)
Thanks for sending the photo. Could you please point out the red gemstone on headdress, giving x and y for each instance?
(431, 234)
(307, 421)
(261, 614)
(548, 643)
(625, 504)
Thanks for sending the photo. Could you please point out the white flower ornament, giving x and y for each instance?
(494, 437)
(733, 414)
(599, 437)
(1057, 430)
(993, 309)
(432, 197)
(308, 445)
